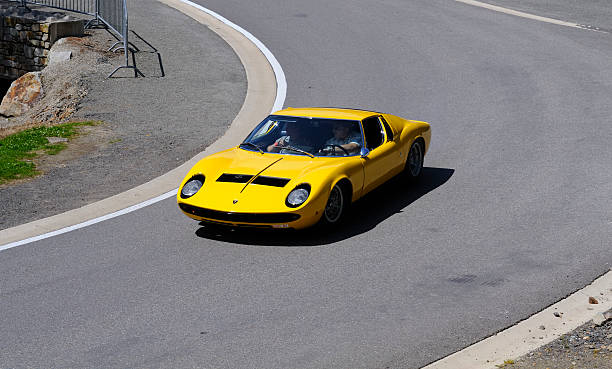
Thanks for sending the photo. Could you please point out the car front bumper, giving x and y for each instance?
(303, 217)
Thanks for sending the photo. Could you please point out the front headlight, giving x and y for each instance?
(298, 196)
(192, 186)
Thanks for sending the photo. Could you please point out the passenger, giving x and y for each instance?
(296, 136)
(343, 137)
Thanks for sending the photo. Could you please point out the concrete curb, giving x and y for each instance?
(527, 336)
(530, 16)
(260, 100)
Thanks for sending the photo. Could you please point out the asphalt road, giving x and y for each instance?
(513, 212)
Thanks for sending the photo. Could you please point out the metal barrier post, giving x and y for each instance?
(96, 20)
(126, 48)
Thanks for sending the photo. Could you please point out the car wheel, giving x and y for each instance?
(414, 162)
(334, 209)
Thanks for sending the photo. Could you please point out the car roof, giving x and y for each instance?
(331, 113)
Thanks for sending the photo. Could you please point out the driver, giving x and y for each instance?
(295, 137)
(343, 137)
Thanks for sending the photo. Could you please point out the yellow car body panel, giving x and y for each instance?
(251, 204)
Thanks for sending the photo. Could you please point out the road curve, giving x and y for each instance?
(512, 213)
(265, 93)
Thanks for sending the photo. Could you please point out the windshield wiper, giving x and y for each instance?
(298, 150)
(252, 145)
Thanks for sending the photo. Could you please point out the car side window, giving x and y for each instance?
(373, 132)
(387, 128)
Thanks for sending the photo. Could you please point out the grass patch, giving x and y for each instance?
(17, 150)
(506, 363)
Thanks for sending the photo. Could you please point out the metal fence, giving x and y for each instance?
(79, 6)
(113, 14)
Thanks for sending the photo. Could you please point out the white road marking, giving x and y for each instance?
(90, 222)
(281, 91)
(529, 16)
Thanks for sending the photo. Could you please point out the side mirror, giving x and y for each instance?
(364, 152)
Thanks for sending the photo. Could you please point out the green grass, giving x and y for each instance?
(506, 363)
(17, 150)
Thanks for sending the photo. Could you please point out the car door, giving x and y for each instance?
(382, 161)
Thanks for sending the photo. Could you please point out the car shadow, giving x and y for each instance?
(365, 214)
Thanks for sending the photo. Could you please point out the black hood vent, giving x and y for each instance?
(260, 180)
(271, 181)
(235, 178)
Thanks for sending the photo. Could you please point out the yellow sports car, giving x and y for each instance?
(300, 167)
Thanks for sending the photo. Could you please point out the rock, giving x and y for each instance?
(558, 315)
(542, 327)
(599, 319)
(593, 300)
(59, 56)
(54, 140)
(22, 94)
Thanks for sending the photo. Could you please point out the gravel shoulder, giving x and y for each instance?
(587, 347)
(148, 125)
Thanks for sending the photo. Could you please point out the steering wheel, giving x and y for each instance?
(333, 149)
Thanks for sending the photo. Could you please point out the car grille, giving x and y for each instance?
(241, 225)
(239, 217)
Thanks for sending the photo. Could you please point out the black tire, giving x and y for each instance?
(335, 207)
(414, 161)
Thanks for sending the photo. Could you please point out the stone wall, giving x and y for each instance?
(27, 36)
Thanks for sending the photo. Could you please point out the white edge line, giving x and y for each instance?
(92, 221)
(281, 92)
(527, 15)
(281, 83)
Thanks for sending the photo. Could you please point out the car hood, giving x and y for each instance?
(243, 181)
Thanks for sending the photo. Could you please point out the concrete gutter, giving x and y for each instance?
(526, 336)
(264, 94)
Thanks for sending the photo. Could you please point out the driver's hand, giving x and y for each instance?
(282, 142)
(329, 150)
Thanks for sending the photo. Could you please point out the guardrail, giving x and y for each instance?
(113, 14)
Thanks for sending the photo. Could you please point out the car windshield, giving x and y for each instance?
(288, 135)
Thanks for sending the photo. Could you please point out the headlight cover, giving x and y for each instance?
(298, 196)
(192, 186)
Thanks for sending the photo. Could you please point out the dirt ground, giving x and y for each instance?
(64, 84)
(64, 87)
